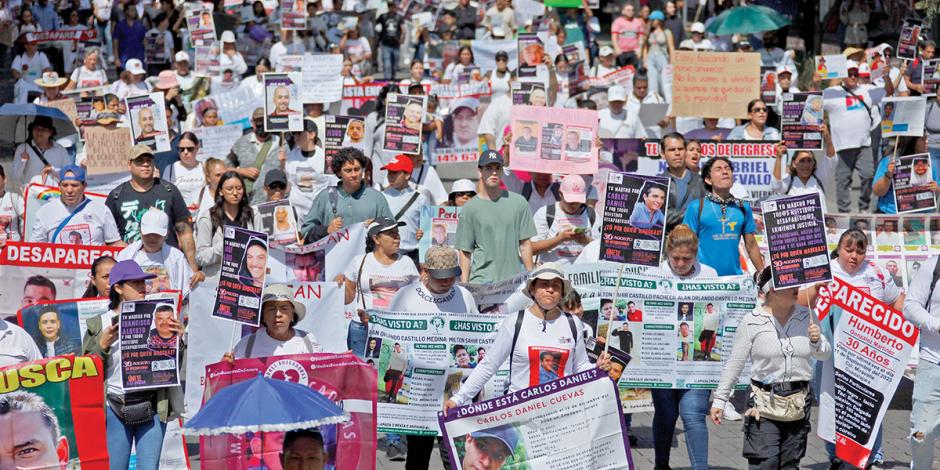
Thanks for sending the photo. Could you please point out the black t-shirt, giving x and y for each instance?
(391, 29)
(128, 206)
(626, 340)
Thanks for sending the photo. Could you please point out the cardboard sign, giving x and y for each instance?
(106, 149)
(714, 84)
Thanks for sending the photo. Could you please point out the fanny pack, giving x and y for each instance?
(780, 402)
(134, 408)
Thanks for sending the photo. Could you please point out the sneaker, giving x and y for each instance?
(731, 414)
(397, 452)
(632, 438)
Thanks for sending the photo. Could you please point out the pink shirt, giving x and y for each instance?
(629, 33)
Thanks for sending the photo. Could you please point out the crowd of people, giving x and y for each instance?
(171, 208)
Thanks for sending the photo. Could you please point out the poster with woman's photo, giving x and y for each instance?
(147, 115)
(282, 106)
(531, 55)
(634, 219)
(439, 224)
(207, 60)
(529, 93)
(201, 27)
(404, 115)
(909, 38)
(277, 218)
(149, 344)
(293, 14)
(341, 131)
(241, 280)
(801, 120)
(903, 116)
(57, 328)
(913, 184)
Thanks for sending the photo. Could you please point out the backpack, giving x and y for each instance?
(550, 215)
(528, 188)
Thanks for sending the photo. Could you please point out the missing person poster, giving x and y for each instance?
(832, 66)
(460, 141)
(148, 121)
(293, 14)
(321, 78)
(796, 238)
(909, 38)
(439, 224)
(634, 219)
(282, 106)
(279, 222)
(802, 121)
(241, 281)
(343, 378)
(913, 176)
(871, 346)
(324, 259)
(566, 423)
(53, 414)
(149, 344)
(207, 61)
(58, 327)
(422, 359)
(531, 55)
(529, 93)
(930, 78)
(768, 85)
(201, 27)
(404, 115)
(903, 116)
(554, 142)
(341, 131)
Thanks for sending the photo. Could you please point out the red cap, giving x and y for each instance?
(401, 162)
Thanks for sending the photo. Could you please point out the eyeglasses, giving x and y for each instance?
(233, 189)
(759, 110)
(187, 149)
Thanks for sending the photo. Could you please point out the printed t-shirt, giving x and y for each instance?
(719, 239)
(378, 283)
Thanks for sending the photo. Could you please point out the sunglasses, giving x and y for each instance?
(277, 186)
(759, 110)
(187, 149)
(464, 194)
(853, 74)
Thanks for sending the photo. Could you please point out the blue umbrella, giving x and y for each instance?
(14, 118)
(265, 405)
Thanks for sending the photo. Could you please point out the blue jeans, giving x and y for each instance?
(146, 438)
(691, 405)
(925, 413)
(655, 66)
(390, 57)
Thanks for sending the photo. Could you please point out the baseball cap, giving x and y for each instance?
(311, 126)
(400, 162)
(140, 150)
(606, 51)
(135, 67)
(258, 113)
(657, 15)
(785, 69)
(463, 186)
(280, 292)
(851, 64)
(490, 156)
(182, 56)
(275, 175)
(506, 434)
(442, 262)
(573, 189)
(78, 173)
(227, 36)
(864, 70)
(383, 224)
(154, 222)
(698, 27)
(465, 102)
(616, 93)
(127, 270)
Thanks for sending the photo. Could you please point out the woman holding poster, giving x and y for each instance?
(779, 338)
(280, 313)
(231, 208)
(547, 344)
(134, 419)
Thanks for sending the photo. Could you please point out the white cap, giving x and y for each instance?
(227, 36)
(698, 27)
(182, 56)
(135, 67)
(616, 93)
(851, 64)
(463, 186)
(606, 51)
(864, 70)
(785, 69)
(154, 221)
(499, 31)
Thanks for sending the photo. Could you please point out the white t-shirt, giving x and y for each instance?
(871, 279)
(169, 264)
(11, 213)
(565, 252)
(94, 224)
(189, 182)
(30, 68)
(849, 119)
(622, 126)
(535, 338)
(16, 345)
(266, 346)
(306, 178)
(419, 299)
(379, 282)
(84, 78)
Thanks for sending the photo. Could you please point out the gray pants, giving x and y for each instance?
(860, 160)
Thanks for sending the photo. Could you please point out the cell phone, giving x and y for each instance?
(580, 230)
(115, 319)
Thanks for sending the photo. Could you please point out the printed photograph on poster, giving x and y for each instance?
(201, 27)
(341, 131)
(282, 106)
(914, 233)
(768, 85)
(207, 60)
(149, 344)
(469, 74)
(934, 233)
(903, 116)
(279, 222)
(912, 185)
(796, 240)
(802, 120)
(930, 78)
(58, 327)
(531, 55)
(148, 121)
(909, 38)
(439, 224)
(832, 66)
(241, 280)
(404, 115)
(634, 219)
(293, 14)
(155, 48)
(554, 143)
(529, 93)
(460, 141)
(887, 236)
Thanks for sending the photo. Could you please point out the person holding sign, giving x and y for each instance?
(921, 308)
(280, 313)
(779, 338)
(231, 208)
(885, 174)
(135, 419)
(524, 338)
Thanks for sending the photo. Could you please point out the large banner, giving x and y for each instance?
(872, 344)
(554, 143)
(570, 423)
(322, 260)
(343, 378)
(58, 327)
(796, 239)
(422, 359)
(709, 84)
(53, 414)
(634, 219)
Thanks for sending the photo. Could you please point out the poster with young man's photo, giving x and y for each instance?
(201, 27)
(340, 132)
(148, 121)
(903, 116)
(913, 184)
(404, 117)
(283, 110)
(802, 120)
(150, 337)
(529, 93)
(58, 327)
(241, 280)
(634, 219)
(908, 39)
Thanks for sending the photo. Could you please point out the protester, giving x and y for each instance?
(371, 279)
(188, 174)
(615, 121)
(280, 313)
(685, 185)
(304, 450)
(231, 208)
(628, 34)
(254, 153)
(74, 213)
(153, 255)
(461, 192)
(564, 227)
(12, 209)
(804, 175)
(306, 165)
(922, 299)
(100, 275)
(406, 202)
(883, 182)
(40, 157)
(756, 128)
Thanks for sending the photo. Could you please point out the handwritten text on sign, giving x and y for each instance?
(714, 84)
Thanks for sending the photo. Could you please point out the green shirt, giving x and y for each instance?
(364, 204)
(491, 232)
